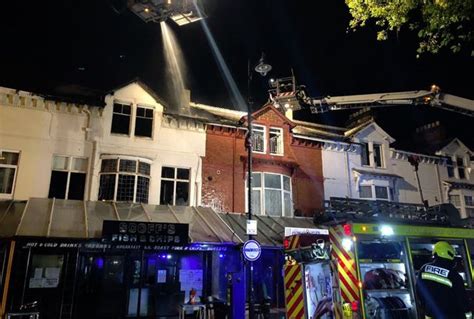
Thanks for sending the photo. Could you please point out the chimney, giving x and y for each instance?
(185, 101)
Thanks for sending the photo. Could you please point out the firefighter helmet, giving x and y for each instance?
(444, 250)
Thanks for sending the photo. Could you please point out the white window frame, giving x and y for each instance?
(259, 128)
(146, 107)
(117, 172)
(456, 167)
(460, 198)
(262, 189)
(280, 144)
(371, 154)
(382, 158)
(390, 192)
(15, 167)
(175, 181)
(70, 170)
(131, 116)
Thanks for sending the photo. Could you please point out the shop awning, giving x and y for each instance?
(58, 218)
(271, 230)
(42, 217)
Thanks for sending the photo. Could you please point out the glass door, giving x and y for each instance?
(101, 291)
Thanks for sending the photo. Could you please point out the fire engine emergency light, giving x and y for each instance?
(386, 230)
(182, 12)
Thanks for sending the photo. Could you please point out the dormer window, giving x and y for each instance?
(461, 169)
(456, 168)
(144, 122)
(276, 141)
(258, 139)
(378, 157)
(121, 118)
(372, 154)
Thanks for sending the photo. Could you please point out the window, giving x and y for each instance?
(8, 169)
(45, 271)
(381, 192)
(461, 169)
(276, 141)
(174, 186)
(121, 118)
(271, 194)
(372, 154)
(376, 192)
(468, 200)
(144, 122)
(68, 178)
(450, 167)
(365, 191)
(455, 200)
(378, 157)
(470, 212)
(469, 203)
(125, 179)
(365, 154)
(258, 138)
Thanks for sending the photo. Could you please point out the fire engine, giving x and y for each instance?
(366, 263)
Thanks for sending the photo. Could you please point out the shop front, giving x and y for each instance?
(132, 261)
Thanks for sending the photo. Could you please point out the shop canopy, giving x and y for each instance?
(41, 217)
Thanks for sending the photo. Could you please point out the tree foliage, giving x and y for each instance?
(439, 23)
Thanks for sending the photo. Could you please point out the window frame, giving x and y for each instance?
(130, 116)
(15, 167)
(175, 181)
(69, 170)
(382, 160)
(145, 107)
(368, 148)
(259, 128)
(262, 188)
(116, 173)
(280, 140)
(390, 192)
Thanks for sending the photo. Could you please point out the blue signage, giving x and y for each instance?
(252, 250)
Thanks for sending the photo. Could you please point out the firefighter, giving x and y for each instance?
(440, 288)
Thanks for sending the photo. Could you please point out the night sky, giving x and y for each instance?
(48, 44)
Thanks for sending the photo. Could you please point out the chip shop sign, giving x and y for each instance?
(145, 233)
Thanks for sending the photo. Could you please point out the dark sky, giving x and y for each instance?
(50, 43)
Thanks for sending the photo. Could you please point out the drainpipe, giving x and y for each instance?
(92, 156)
(415, 161)
(348, 174)
(440, 191)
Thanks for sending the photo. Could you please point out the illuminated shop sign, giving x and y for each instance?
(125, 232)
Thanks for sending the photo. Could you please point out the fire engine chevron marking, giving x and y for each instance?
(349, 285)
(291, 274)
(349, 264)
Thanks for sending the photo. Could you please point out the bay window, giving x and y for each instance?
(125, 179)
(271, 194)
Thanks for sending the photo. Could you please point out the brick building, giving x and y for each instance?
(287, 168)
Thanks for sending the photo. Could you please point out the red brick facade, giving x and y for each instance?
(225, 165)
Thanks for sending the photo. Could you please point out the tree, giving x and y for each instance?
(439, 23)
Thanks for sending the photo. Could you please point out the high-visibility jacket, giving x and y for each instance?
(441, 291)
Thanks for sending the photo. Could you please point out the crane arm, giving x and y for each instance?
(423, 97)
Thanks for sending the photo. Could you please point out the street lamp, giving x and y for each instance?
(263, 69)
